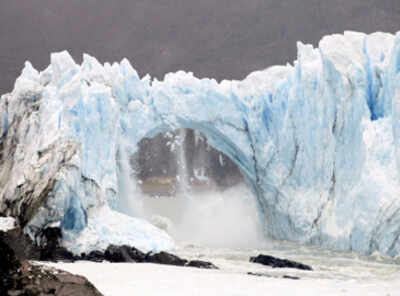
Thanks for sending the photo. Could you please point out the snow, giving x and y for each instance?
(151, 279)
(7, 223)
(317, 141)
(335, 274)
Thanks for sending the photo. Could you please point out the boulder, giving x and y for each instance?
(279, 263)
(123, 254)
(19, 277)
(52, 236)
(57, 254)
(201, 264)
(165, 258)
(51, 249)
(94, 256)
(21, 244)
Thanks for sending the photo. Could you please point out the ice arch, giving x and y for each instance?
(235, 149)
(216, 116)
(318, 141)
(191, 190)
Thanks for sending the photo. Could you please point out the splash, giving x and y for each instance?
(214, 219)
(130, 199)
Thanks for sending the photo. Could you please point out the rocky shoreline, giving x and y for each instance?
(51, 250)
(21, 277)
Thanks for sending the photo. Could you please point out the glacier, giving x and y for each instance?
(317, 141)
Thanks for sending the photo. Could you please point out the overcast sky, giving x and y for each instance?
(213, 38)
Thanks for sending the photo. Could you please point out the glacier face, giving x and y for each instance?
(317, 142)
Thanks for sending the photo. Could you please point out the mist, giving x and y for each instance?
(204, 214)
(228, 219)
(214, 219)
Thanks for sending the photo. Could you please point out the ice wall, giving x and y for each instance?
(316, 140)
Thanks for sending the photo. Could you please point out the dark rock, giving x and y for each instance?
(22, 278)
(136, 255)
(8, 263)
(57, 254)
(115, 254)
(257, 274)
(52, 236)
(21, 244)
(124, 254)
(95, 256)
(290, 277)
(26, 249)
(279, 263)
(273, 276)
(201, 264)
(158, 173)
(118, 254)
(51, 249)
(165, 258)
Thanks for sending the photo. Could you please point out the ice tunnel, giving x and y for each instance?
(316, 140)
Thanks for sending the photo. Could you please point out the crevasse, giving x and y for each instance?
(317, 142)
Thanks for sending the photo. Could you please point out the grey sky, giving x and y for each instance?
(213, 38)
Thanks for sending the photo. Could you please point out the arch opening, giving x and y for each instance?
(199, 195)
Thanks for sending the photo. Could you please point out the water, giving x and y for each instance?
(327, 264)
(183, 176)
(224, 227)
(226, 218)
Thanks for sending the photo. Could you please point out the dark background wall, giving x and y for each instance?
(155, 163)
(217, 38)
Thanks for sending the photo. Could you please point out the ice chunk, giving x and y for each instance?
(7, 223)
(106, 227)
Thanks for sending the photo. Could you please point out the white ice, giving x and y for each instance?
(7, 223)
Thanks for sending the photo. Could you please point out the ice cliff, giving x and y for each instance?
(318, 142)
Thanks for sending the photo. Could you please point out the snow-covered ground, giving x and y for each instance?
(334, 274)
